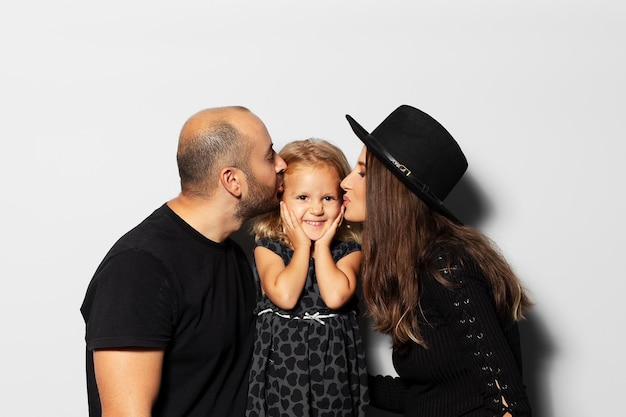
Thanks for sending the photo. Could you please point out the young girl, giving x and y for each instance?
(308, 356)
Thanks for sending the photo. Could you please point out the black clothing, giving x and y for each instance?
(165, 286)
(309, 360)
(470, 352)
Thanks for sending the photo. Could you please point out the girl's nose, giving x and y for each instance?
(317, 208)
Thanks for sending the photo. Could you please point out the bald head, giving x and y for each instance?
(210, 140)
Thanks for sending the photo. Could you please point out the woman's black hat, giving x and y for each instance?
(419, 151)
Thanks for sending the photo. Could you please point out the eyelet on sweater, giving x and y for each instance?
(466, 301)
(479, 335)
(472, 319)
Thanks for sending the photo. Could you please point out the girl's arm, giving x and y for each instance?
(283, 284)
(337, 281)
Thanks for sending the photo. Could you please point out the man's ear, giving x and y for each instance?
(232, 180)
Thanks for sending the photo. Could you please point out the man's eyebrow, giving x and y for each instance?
(270, 149)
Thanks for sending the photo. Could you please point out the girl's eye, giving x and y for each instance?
(329, 198)
(301, 197)
(361, 174)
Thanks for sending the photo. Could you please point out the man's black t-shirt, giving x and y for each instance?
(163, 285)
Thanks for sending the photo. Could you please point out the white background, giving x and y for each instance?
(93, 94)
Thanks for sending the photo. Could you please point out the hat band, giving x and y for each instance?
(405, 172)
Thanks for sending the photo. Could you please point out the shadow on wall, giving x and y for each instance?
(537, 352)
(469, 204)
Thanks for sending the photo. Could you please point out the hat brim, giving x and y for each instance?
(374, 146)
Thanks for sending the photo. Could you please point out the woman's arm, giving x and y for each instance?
(387, 393)
(479, 327)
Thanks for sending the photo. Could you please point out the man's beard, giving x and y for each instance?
(262, 199)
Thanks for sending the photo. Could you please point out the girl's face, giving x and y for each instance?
(354, 186)
(314, 196)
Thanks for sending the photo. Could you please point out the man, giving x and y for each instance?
(168, 313)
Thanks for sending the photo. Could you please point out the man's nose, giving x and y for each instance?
(279, 164)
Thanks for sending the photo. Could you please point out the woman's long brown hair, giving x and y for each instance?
(400, 236)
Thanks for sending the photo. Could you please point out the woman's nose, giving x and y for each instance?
(345, 185)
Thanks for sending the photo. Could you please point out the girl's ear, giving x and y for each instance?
(232, 180)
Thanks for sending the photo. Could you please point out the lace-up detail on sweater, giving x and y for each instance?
(473, 359)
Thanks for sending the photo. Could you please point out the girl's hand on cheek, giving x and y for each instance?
(331, 229)
(293, 229)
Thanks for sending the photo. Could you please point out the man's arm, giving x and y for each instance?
(128, 381)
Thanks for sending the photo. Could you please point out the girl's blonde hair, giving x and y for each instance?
(308, 152)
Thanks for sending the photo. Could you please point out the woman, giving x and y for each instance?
(440, 289)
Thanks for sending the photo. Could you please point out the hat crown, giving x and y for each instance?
(421, 146)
